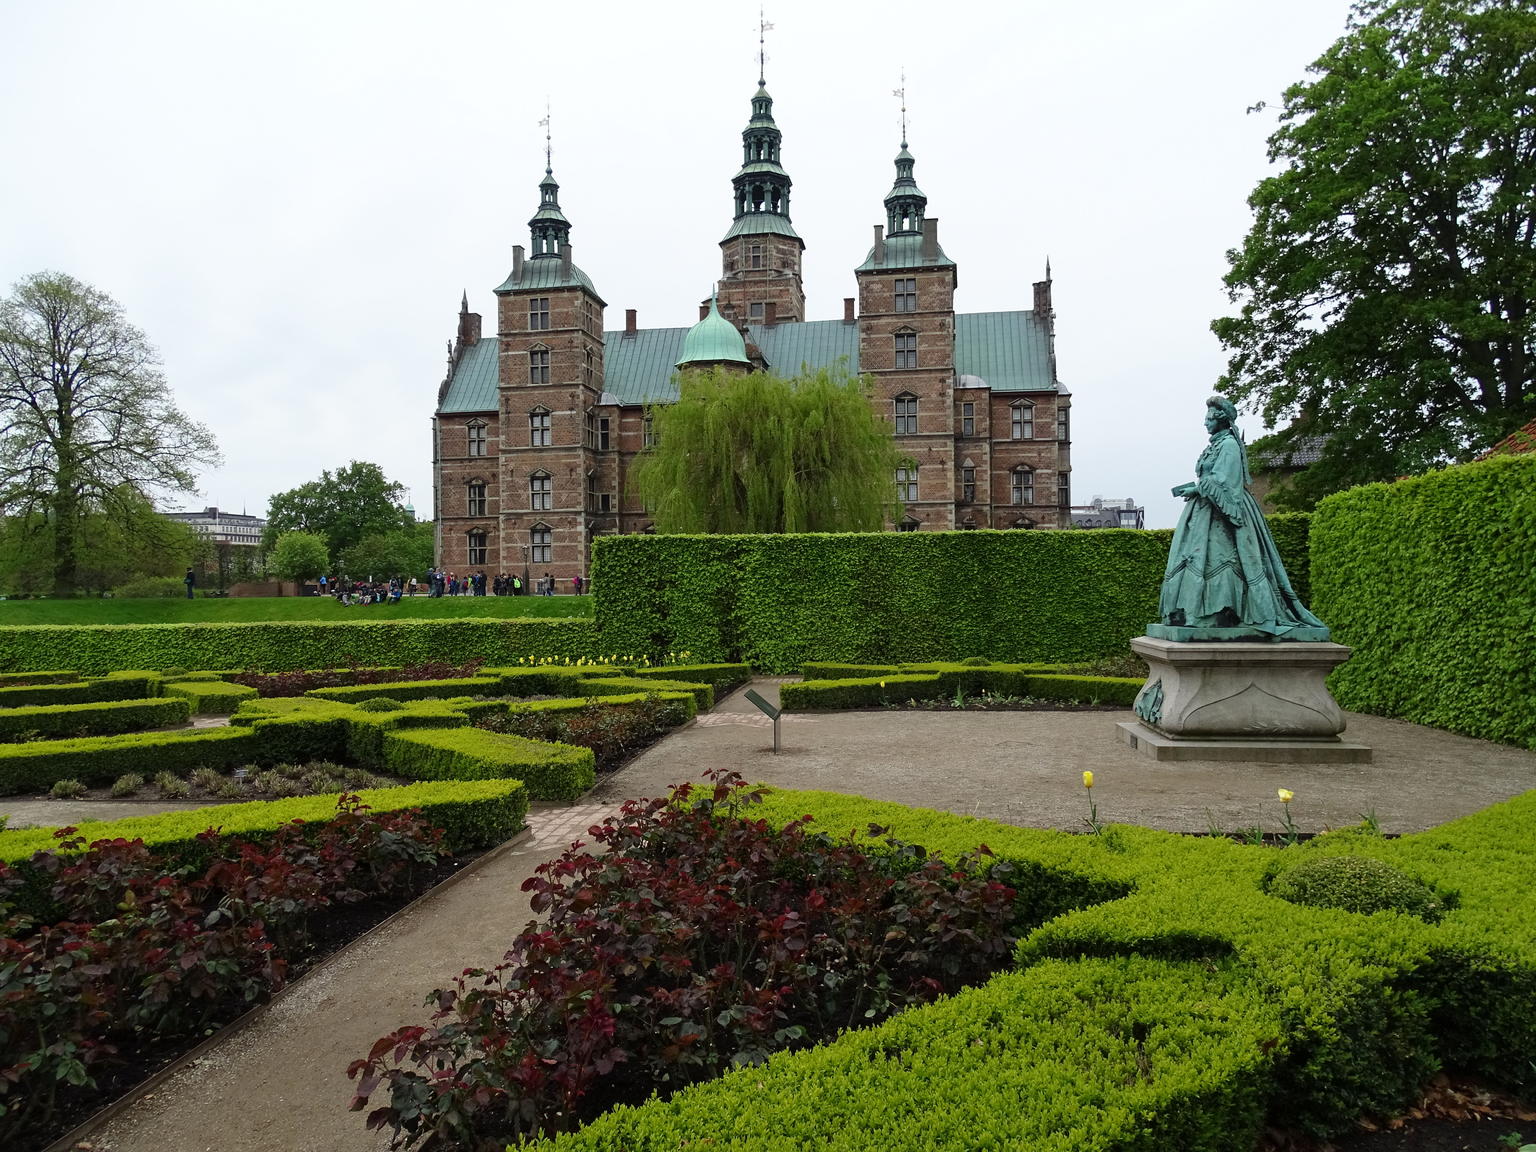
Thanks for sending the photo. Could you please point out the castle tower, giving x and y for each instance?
(557, 452)
(760, 254)
(907, 343)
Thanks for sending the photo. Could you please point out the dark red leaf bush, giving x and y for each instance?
(693, 940)
(299, 682)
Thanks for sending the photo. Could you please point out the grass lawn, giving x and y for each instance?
(183, 611)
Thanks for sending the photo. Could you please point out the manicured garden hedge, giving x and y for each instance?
(1430, 581)
(102, 759)
(286, 646)
(1168, 1002)
(411, 690)
(778, 601)
(104, 719)
(550, 771)
(210, 697)
(832, 686)
(701, 691)
(120, 686)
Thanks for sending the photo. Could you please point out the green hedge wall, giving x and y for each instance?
(877, 687)
(1432, 582)
(778, 601)
(1165, 1002)
(287, 646)
(109, 718)
(210, 697)
(102, 759)
(1292, 535)
(116, 687)
(550, 771)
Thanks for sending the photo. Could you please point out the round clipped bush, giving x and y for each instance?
(976, 662)
(380, 704)
(1357, 884)
(67, 790)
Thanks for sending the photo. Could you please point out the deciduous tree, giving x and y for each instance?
(761, 453)
(342, 507)
(1386, 286)
(299, 556)
(88, 428)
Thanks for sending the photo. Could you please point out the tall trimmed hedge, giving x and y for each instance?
(286, 646)
(1432, 581)
(778, 601)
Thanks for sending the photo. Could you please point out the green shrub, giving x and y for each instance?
(722, 677)
(1437, 603)
(106, 719)
(97, 760)
(703, 693)
(172, 786)
(286, 646)
(1085, 689)
(1291, 532)
(411, 690)
(210, 697)
(118, 687)
(975, 661)
(380, 704)
(152, 588)
(812, 695)
(21, 679)
(67, 790)
(550, 771)
(126, 785)
(1356, 884)
(206, 779)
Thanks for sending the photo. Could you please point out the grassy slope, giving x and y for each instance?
(284, 608)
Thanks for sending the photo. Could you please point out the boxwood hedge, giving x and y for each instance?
(101, 759)
(1429, 580)
(105, 719)
(830, 686)
(120, 686)
(210, 697)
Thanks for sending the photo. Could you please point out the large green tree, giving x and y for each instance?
(88, 428)
(1386, 286)
(761, 453)
(402, 552)
(134, 541)
(343, 507)
(299, 556)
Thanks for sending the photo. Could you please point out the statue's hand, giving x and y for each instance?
(1184, 490)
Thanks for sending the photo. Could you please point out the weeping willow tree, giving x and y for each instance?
(761, 453)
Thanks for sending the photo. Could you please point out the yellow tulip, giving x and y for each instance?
(1286, 795)
(1087, 779)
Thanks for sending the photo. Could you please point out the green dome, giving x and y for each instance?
(713, 340)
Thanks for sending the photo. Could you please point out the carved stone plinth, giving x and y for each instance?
(1267, 702)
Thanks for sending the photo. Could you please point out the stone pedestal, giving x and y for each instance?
(1226, 700)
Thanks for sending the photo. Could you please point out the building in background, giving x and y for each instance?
(536, 427)
(1102, 513)
(232, 540)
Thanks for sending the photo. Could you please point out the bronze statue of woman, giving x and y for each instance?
(1225, 580)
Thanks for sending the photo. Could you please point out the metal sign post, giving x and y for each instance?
(771, 712)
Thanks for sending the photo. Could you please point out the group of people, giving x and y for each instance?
(443, 583)
(351, 592)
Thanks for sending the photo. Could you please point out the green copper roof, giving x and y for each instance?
(905, 251)
(760, 224)
(713, 340)
(1009, 350)
(544, 272)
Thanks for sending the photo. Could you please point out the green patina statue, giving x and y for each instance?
(1225, 580)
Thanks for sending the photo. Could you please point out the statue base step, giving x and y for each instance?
(1159, 747)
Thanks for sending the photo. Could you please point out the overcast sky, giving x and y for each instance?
(288, 198)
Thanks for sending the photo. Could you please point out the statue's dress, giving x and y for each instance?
(1223, 569)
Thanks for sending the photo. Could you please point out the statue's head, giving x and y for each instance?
(1220, 413)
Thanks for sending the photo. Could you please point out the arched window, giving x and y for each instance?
(1023, 420)
(538, 428)
(541, 487)
(474, 503)
(541, 539)
(476, 432)
(477, 546)
(906, 414)
(1023, 486)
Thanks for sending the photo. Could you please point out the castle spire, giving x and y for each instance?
(905, 202)
(762, 186)
(549, 226)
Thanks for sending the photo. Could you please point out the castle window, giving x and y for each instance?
(755, 251)
(968, 485)
(648, 431)
(538, 428)
(1022, 522)
(591, 428)
(541, 488)
(542, 538)
(538, 312)
(906, 294)
(592, 491)
(968, 418)
(1064, 490)
(1023, 426)
(906, 483)
(475, 502)
(1061, 424)
(909, 525)
(477, 438)
(538, 366)
(906, 349)
(477, 547)
(906, 414)
(588, 370)
(755, 311)
(604, 433)
(1023, 486)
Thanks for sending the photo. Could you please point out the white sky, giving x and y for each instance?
(289, 197)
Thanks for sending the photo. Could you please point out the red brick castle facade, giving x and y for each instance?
(536, 427)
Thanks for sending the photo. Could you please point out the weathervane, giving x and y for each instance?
(902, 93)
(548, 151)
(763, 27)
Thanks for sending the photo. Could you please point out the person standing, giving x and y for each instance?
(190, 580)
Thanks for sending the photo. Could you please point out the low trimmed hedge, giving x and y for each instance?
(702, 692)
(210, 697)
(685, 699)
(105, 719)
(473, 814)
(873, 692)
(548, 680)
(17, 679)
(102, 759)
(723, 677)
(550, 771)
(411, 690)
(870, 686)
(1168, 1002)
(121, 686)
(1084, 689)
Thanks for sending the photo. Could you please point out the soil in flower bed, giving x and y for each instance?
(329, 933)
(1454, 1116)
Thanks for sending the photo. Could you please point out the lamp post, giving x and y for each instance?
(526, 591)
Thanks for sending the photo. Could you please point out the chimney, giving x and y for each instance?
(703, 309)
(930, 239)
(879, 243)
(1042, 300)
(629, 321)
(469, 328)
(517, 263)
(847, 309)
(770, 314)
(565, 261)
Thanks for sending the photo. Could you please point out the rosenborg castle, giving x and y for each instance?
(537, 424)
